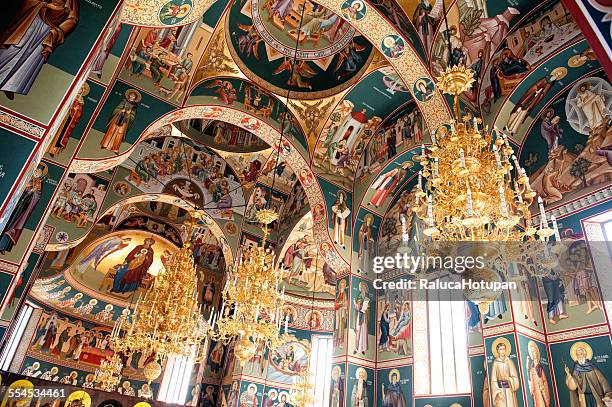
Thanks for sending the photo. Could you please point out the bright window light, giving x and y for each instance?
(320, 367)
(175, 381)
(15, 337)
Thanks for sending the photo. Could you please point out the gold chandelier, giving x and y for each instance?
(470, 192)
(167, 319)
(302, 390)
(108, 375)
(252, 299)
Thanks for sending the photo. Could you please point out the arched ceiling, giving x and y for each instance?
(361, 102)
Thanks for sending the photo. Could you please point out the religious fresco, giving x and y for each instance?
(362, 323)
(570, 156)
(503, 370)
(222, 136)
(122, 119)
(249, 97)
(71, 129)
(109, 53)
(536, 372)
(359, 386)
(365, 242)
(183, 169)
(41, 57)
(250, 394)
(76, 205)
(348, 133)
(119, 264)
(339, 208)
(578, 362)
(163, 61)
(332, 54)
(74, 376)
(28, 210)
(17, 296)
(305, 272)
(517, 112)
(394, 387)
(393, 324)
(570, 293)
(337, 389)
(290, 359)
(527, 45)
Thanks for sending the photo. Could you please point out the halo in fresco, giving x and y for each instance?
(175, 11)
(354, 9)
(588, 103)
(500, 341)
(393, 46)
(116, 265)
(262, 36)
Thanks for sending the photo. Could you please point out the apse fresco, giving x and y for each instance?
(120, 264)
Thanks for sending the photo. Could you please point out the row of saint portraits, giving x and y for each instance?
(372, 323)
(581, 370)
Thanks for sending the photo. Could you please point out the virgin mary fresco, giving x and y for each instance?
(134, 268)
(37, 29)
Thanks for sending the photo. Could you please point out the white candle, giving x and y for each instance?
(502, 198)
(543, 220)
(469, 202)
(420, 182)
(475, 124)
(433, 138)
(423, 150)
(555, 228)
(435, 169)
(462, 158)
(497, 158)
(430, 208)
(286, 323)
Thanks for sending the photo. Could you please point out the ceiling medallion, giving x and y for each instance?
(163, 13)
(262, 36)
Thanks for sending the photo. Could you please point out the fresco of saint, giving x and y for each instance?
(37, 29)
(122, 118)
(23, 210)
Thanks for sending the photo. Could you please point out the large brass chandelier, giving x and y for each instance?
(167, 319)
(252, 299)
(471, 187)
(108, 375)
